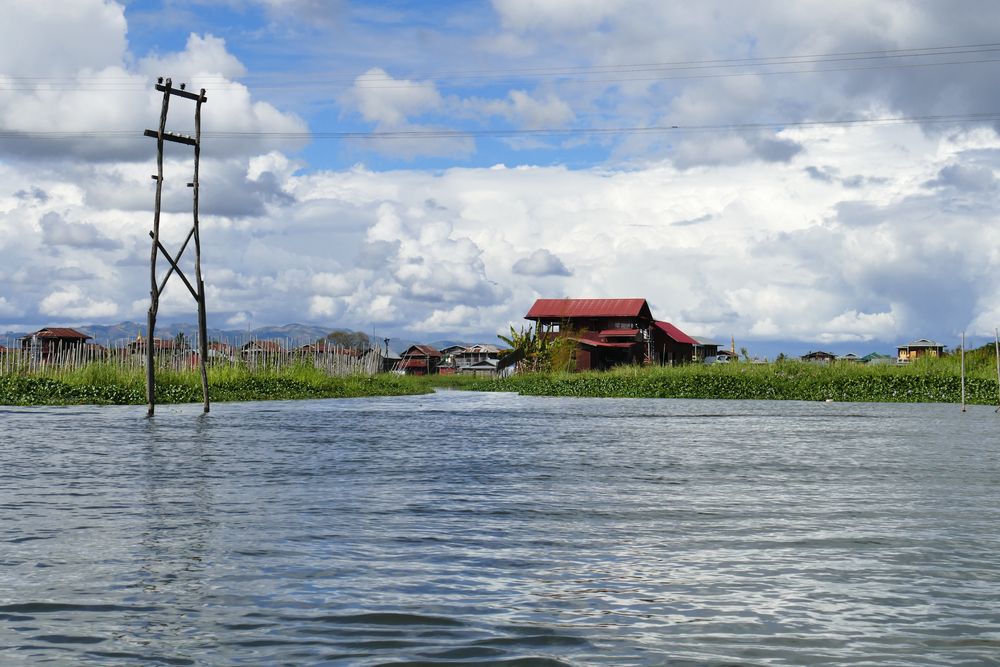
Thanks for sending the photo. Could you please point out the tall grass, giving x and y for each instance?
(108, 383)
(928, 380)
(932, 380)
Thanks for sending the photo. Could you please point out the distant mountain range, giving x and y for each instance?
(290, 334)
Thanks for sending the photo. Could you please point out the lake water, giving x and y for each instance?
(464, 528)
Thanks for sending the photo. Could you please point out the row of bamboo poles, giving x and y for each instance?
(272, 356)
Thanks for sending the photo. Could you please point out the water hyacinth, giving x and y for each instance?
(105, 384)
(934, 381)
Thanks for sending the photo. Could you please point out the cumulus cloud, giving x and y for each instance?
(732, 223)
(555, 15)
(7, 309)
(203, 54)
(89, 85)
(541, 263)
(965, 177)
(527, 110)
(391, 102)
(80, 235)
(71, 302)
(90, 35)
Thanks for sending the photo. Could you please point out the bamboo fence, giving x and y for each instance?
(130, 355)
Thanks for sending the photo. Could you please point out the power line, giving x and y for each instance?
(445, 133)
(690, 69)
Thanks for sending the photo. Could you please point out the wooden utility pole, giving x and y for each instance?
(996, 349)
(156, 289)
(963, 371)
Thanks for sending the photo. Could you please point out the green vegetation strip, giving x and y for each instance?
(106, 385)
(934, 382)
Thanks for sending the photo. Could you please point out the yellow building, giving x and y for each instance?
(917, 349)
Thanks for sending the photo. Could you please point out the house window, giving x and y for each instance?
(622, 324)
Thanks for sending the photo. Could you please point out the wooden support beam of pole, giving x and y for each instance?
(176, 268)
(154, 293)
(202, 308)
(170, 271)
(171, 136)
(182, 93)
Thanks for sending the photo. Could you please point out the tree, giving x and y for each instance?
(532, 349)
(181, 342)
(355, 340)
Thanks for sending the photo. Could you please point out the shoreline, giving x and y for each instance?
(929, 383)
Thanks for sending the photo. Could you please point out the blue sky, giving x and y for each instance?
(819, 174)
(306, 65)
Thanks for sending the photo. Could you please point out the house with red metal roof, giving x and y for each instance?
(671, 345)
(420, 360)
(53, 340)
(611, 332)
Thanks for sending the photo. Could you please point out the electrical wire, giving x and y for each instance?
(691, 69)
(444, 133)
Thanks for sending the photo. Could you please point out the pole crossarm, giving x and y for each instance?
(172, 136)
(161, 135)
(180, 92)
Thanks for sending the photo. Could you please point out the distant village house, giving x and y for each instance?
(918, 349)
(51, 341)
(818, 357)
(612, 332)
(420, 360)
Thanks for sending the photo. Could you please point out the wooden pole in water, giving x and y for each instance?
(202, 315)
(154, 291)
(996, 344)
(198, 290)
(963, 371)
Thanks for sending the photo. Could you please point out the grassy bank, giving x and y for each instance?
(109, 385)
(935, 381)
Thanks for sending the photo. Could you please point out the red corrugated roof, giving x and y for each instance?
(59, 332)
(675, 333)
(418, 350)
(566, 308)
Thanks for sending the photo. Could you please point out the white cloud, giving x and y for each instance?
(556, 15)
(541, 263)
(81, 235)
(203, 55)
(8, 309)
(324, 307)
(60, 36)
(380, 98)
(818, 233)
(527, 110)
(71, 302)
(88, 85)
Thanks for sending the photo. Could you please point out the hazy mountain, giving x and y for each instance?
(291, 334)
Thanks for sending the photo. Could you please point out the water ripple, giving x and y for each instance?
(497, 529)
